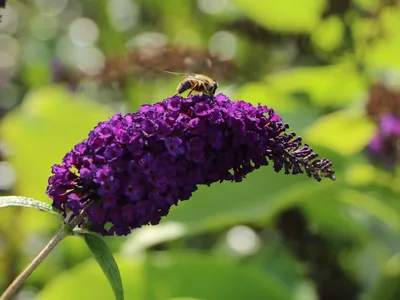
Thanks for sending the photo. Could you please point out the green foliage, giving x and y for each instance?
(284, 15)
(259, 198)
(169, 275)
(311, 60)
(355, 132)
(328, 36)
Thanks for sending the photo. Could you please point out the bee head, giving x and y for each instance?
(212, 88)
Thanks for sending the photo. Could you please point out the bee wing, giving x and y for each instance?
(176, 74)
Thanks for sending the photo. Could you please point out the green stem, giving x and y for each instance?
(17, 283)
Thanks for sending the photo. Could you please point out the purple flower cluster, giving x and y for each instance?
(134, 167)
(385, 145)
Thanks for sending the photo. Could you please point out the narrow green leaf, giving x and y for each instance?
(7, 201)
(107, 263)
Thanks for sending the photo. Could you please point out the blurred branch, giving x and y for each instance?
(256, 33)
(337, 7)
(150, 62)
(383, 100)
(332, 282)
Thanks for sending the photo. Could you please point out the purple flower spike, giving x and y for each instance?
(134, 167)
(384, 147)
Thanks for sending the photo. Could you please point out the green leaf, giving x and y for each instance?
(185, 298)
(259, 198)
(373, 206)
(332, 217)
(106, 261)
(328, 36)
(170, 275)
(147, 236)
(230, 203)
(334, 85)
(261, 92)
(7, 201)
(381, 55)
(344, 132)
(284, 15)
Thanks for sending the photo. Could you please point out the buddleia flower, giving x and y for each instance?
(384, 147)
(132, 168)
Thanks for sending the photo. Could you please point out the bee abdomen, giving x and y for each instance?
(184, 86)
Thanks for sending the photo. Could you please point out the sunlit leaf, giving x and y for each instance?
(306, 291)
(334, 85)
(260, 92)
(284, 15)
(293, 110)
(345, 132)
(168, 275)
(361, 174)
(142, 238)
(328, 35)
(392, 267)
(7, 201)
(382, 54)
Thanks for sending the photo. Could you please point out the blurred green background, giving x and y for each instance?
(65, 65)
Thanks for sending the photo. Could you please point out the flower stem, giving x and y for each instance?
(17, 283)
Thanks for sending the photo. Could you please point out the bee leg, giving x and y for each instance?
(191, 90)
(194, 86)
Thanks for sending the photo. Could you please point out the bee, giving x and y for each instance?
(196, 82)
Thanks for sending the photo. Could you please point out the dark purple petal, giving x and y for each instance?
(174, 104)
(134, 190)
(149, 127)
(96, 214)
(196, 143)
(135, 145)
(174, 146)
